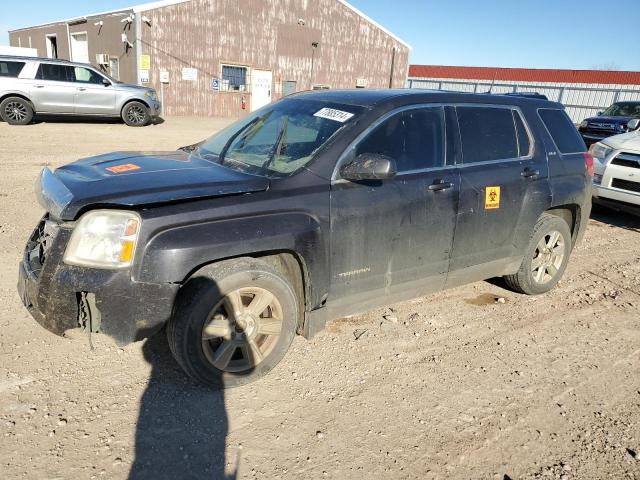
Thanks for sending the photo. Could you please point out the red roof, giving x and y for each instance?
(526, 74)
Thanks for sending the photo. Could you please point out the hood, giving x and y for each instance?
(135, 178)
(627, 141)
(609, 120)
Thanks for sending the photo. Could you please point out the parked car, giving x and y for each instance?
(613, 121)
(42, 86)
(616, 177)
(321, 205)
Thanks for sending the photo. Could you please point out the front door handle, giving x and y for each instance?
(530, 173)
(39, 86)
(82, 89)
(440, 185)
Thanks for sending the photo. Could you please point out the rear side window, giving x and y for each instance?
(562, 130)
(58, 73)
(487, 134)
(413, 138)
(10, 69)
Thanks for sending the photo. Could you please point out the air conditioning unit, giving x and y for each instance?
(102, 59)
(362, 83)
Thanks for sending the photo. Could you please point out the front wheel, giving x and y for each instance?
(233, 322)
(16, 111)
(545, 259)
(136, 114)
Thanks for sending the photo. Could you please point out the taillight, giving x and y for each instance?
(588, 162)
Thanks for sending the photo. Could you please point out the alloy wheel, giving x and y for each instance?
(136, 115)
(548, 257)
(242, 330)
(16, 111)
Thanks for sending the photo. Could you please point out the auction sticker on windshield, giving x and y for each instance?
(333, 114)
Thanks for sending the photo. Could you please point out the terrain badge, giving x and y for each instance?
(492, 198)
(127, 167)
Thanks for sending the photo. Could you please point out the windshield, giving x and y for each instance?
(280, 139)
(623, 109)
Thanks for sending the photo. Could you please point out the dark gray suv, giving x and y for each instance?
(33, 86)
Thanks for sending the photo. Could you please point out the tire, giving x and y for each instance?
(136, 114)
(16, 111)
(221, 349)
(549, 231)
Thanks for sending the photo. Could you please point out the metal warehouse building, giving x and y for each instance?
(583, 92)
(225, 57)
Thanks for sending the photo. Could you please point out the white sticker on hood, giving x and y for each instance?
(333, 114)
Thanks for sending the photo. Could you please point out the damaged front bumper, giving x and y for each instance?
(61, 297)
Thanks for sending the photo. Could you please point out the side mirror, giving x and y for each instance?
(633, 124)
(369, 166)
(106, 82)
(600, 113)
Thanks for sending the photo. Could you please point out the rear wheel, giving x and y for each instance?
(136, 114)
(233, 322)
(546, 257)
(16, 111)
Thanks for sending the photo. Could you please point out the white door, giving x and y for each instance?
(260, 88)
(79, 48)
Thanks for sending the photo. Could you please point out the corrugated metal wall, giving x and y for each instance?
(581, 100)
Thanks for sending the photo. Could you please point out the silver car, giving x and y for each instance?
(31, 86)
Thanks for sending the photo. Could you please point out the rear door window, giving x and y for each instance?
(487, 134)
(562, 130)
(55, 72)
(413, 138)
(10, 69)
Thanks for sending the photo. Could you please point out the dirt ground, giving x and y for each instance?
(458, 386)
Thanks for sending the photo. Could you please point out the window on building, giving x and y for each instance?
(52, 46)
(10, 69)
(114, 68)
(413, 138)
(487, 134)
(54, 72)
(563, 131)
(289, 87)
(234, 78)
(320, 87)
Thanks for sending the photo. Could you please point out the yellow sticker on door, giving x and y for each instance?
(491, 198)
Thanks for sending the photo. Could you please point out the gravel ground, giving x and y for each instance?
(453, 385)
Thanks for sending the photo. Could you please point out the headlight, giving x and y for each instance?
(584, 124)
(151, 93)
(104, 239)
(600, 151)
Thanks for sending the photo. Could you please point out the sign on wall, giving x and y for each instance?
(215, 84)
(190, 74)
(144, 76)
(145, 62)
(164, 76)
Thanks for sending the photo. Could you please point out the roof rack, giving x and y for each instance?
(536, 95)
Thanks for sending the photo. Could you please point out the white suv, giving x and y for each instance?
(43, 86)
(616, 182)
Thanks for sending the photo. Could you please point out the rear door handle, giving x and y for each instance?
(440, 185)
(82, 89)
(530, 173)
(39, 86)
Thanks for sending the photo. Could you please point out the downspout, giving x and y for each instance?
(393, 66)
(69, 43)
(138, 17)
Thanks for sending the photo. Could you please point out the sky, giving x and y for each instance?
(574, 34)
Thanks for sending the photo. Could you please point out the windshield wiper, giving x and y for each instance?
(227, 145)
(277, 147)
